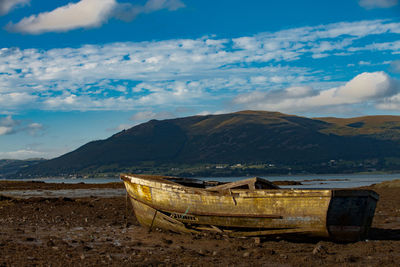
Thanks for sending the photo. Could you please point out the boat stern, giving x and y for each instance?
(350, 214)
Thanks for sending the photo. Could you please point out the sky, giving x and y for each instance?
(76, 71)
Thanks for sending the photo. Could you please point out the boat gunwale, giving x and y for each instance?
(243, 193)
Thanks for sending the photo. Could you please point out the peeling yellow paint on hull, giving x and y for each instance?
(242, 212)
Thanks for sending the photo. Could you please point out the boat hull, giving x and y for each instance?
(240, 212)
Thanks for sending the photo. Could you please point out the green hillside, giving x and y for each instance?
(10, 167)
(380, 127)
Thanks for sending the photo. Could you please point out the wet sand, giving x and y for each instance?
(89, 231)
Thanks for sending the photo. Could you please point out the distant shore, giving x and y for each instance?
(292, 181)
(194, 175)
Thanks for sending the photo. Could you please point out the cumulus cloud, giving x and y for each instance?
(375, 88)
(395, 66)
(84, 14)
(87, 14)
(367, 86)
(7, 5)
(370, 4)
(8, 125)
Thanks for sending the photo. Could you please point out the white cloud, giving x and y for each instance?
(258, 79)
(7, 5)
(8, 121)
(84, 14)
(374, 88)
(370, 4)
(5, 130)
(395, 66)
(299, 91)
(388, 46)
(85, 102)
(149, 115)
(128, 12)
(34, 128)
(16, 99)
(87, 14)
(146, 115)
(22, 154)
(367, 86)
(390, 103)
(154, 5)
(10, 126)
(366, 63)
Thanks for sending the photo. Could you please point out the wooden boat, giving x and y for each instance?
(251, 207)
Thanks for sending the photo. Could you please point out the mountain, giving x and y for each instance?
(246, 137)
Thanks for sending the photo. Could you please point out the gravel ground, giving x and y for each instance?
(103, 231)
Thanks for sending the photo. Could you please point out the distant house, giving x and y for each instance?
(237, 165)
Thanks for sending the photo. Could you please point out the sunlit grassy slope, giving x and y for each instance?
(382, 127)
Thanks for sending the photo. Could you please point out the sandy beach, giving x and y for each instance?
(93, 230)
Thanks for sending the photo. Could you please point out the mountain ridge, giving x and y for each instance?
(246, 137)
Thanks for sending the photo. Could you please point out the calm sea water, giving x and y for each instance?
(308, 181)
(323, 181)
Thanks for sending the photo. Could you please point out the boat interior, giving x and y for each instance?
(250, 184)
